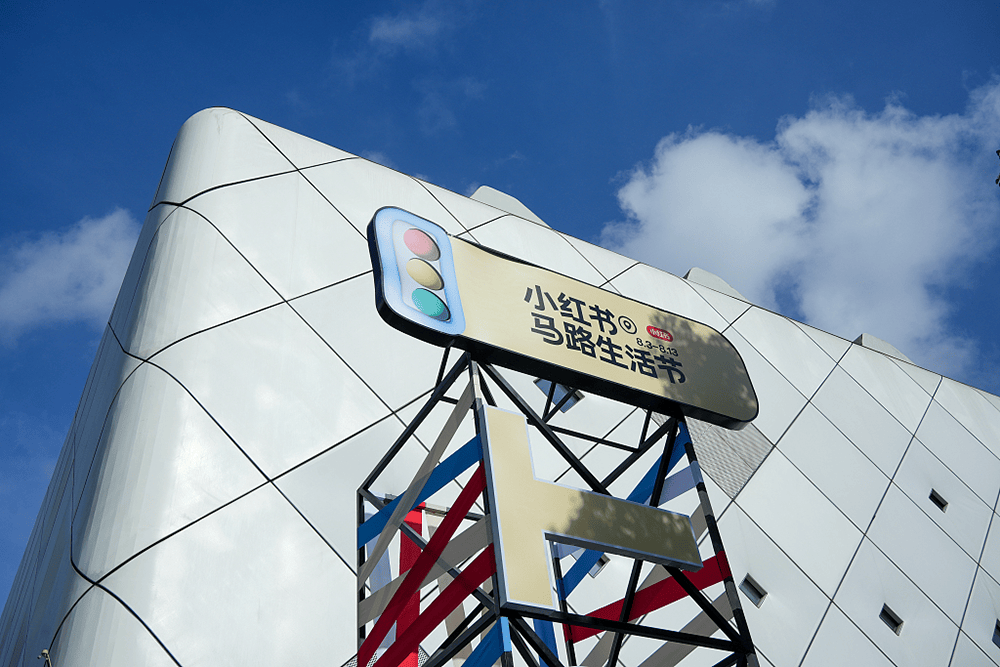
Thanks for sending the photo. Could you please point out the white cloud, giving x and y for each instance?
(410, 29)
(853, 221)
(66, 276)
(420, 29)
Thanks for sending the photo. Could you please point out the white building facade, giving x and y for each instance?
(203, 509)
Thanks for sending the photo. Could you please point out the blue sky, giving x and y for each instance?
(832, 161)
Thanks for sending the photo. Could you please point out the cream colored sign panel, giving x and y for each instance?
(449, 291)
(526, 512)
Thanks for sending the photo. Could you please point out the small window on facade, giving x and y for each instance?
(599, 565)
(890, 618)
(996, 633)
(753, 590)
(559, 394)
(939, 500)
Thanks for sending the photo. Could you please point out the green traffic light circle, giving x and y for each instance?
(430, 304)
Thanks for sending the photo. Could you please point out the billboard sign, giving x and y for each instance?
(448, 291)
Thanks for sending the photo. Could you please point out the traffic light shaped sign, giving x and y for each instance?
(417, 267)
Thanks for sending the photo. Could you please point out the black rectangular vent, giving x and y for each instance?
(753, 590)
(890, 618)
(938, 500)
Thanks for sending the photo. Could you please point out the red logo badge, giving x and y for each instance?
(660, 333)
